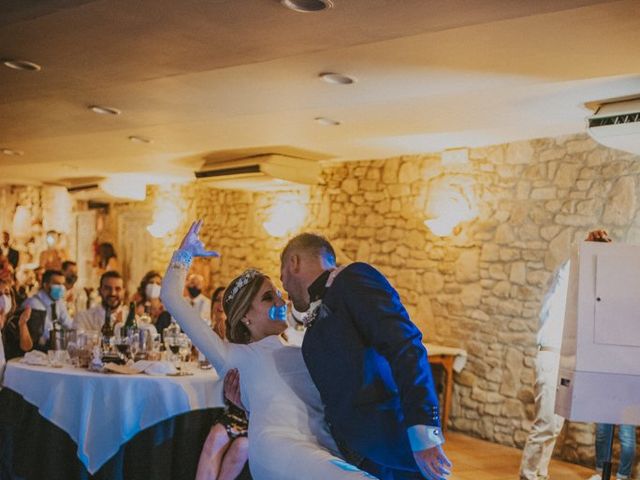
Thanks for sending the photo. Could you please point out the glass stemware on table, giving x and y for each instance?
(178, 347)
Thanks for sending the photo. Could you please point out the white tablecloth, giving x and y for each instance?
(100, 411)
(460, 355)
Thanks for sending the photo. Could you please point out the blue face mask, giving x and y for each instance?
(57, 292)
(278, 313)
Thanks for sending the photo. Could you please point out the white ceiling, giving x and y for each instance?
(203, 76)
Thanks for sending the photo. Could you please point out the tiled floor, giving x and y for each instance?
(475, 459)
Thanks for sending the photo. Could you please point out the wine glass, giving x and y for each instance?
(185, 352)
(134, 343)
(172, 344)
(122, 344)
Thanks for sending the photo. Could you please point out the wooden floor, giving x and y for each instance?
(475, 459)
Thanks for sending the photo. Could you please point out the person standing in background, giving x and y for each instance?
(106, 259)
(546, 427)
(7, 251)
(194, 287)
(53, 256)
(75, 297)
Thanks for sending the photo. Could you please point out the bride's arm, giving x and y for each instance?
(200, 333)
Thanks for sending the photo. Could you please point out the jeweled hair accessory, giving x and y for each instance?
(241, 282)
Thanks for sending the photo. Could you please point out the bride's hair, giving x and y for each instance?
(236, 303)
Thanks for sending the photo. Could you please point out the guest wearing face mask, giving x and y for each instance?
(194, 287)
(50, 298)
(148, 300)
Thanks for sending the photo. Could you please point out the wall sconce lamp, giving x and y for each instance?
(451, 201)
(286, 216)
(165, 219)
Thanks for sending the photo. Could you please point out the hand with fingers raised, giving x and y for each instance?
(433, 463)
(192, 244)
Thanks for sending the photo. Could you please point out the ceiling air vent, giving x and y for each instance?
(616, 124)
(264, 172)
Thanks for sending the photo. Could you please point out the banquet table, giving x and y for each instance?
(102, 412)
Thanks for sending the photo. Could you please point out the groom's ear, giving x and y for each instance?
(296, 262)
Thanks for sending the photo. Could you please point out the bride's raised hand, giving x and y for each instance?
(192, 243)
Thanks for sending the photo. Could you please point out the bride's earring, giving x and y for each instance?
(247, 322)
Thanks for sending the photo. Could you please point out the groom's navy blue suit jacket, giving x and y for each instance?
(367, 359)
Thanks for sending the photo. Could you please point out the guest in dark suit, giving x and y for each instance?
(367, 359)
(11, 253)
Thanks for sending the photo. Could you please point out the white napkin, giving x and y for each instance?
(34, 357)
(155, 368)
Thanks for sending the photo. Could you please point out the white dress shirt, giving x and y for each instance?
(42, 301)
(91, 320)
(203, 304)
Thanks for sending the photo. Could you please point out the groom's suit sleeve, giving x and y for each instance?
(384, 324)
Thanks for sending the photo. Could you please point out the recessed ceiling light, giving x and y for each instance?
(22, 65)
(336, 78)
(307, 5)
(327, 122)
(14, 153)
(104, 110)
(138, 139)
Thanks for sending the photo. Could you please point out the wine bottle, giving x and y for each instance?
(107, 328)
(132, 322)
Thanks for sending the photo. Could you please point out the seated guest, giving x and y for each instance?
(218, 318)
(50, 298)
(112, 295)
(195, 285)
(148, 300)
(27, 284)
(15, 336)
(17, 342)
(76, 297)
(6, 270)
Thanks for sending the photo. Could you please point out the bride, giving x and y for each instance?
(289, 438)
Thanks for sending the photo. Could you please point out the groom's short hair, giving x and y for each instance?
(312, 243)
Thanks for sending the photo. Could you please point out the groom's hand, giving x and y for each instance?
(433, 463)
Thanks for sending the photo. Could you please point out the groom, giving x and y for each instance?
(367, 360)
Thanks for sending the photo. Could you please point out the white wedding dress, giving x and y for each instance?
(288, 437)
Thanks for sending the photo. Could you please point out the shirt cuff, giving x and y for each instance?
(422, 437)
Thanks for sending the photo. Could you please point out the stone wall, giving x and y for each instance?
(43, 208)
(480, 288)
